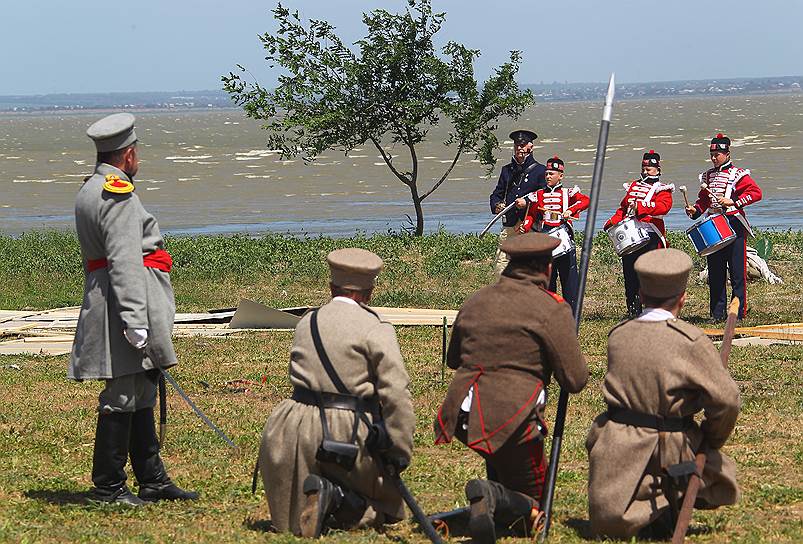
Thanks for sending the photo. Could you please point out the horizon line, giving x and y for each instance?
(603, 83)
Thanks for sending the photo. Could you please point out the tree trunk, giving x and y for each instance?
(419, 211)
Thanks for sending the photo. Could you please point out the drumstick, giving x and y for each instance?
(685, 196)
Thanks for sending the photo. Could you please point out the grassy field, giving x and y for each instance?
(47, 422)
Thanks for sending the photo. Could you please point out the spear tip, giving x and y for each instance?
(606, 114)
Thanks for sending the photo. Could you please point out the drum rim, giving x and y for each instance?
(717, 246)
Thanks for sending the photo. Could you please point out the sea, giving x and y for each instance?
(210, 172)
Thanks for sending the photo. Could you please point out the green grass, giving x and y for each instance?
(47, 422)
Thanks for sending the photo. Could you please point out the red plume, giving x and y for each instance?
(720, 135)
(652, 151)
(555, 157)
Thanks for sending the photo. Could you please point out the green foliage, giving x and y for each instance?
(390, 88)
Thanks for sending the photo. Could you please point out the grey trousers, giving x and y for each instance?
(502, 258)
(129, 393)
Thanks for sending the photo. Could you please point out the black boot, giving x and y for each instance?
(108, 460)
(492, 502)
(482, 498)
(325, 499)
(154, 483)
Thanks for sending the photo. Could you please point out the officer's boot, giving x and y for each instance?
(154, 483)
(325, 498)
(108, 460)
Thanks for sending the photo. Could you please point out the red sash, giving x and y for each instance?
(159, 259)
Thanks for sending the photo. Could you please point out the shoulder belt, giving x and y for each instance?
(689, 331)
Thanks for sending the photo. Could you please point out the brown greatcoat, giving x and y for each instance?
(507, 340)
(665, 368)
(365, 354)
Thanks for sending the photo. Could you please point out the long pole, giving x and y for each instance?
(588, 240)
(684, 516)
(423, 521)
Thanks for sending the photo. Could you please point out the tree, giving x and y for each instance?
(390, 88)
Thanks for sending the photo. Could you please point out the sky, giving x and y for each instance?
(84, 46)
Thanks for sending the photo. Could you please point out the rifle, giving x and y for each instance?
(418, 514)
(684, 516)
(588, 238)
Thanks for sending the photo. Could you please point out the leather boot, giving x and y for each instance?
(491, 502)
(154, 483)
(481, 496)
(323, 498)
(109, 457)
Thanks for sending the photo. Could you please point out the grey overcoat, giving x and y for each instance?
(665, 368)
(365, 353)
(125, 293)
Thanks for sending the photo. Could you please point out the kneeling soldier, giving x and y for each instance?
(506, 342)
(323, 449)
(652, 396)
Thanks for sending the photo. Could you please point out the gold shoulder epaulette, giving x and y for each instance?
(114, 184)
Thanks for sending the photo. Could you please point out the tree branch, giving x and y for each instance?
(413, 157)
(389, 161)
(445, 174)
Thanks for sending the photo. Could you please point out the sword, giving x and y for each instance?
(167, 376)
(588, 238)
(162, 410)
(497, 217)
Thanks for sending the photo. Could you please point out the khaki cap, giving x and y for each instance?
(532, 244)
(354, 268)
(113, 132)
(663, 273)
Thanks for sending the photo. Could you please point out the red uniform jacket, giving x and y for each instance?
(556, 200)
(730, 182)
(653, 202)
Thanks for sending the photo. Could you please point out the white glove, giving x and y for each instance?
(137, 337)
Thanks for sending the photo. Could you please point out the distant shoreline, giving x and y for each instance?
(213, 100)
(95, 111)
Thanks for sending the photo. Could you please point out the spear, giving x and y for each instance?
(588, 238)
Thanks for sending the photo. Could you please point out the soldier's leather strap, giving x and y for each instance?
(335, 400)
(639, 419)
(159, 259)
